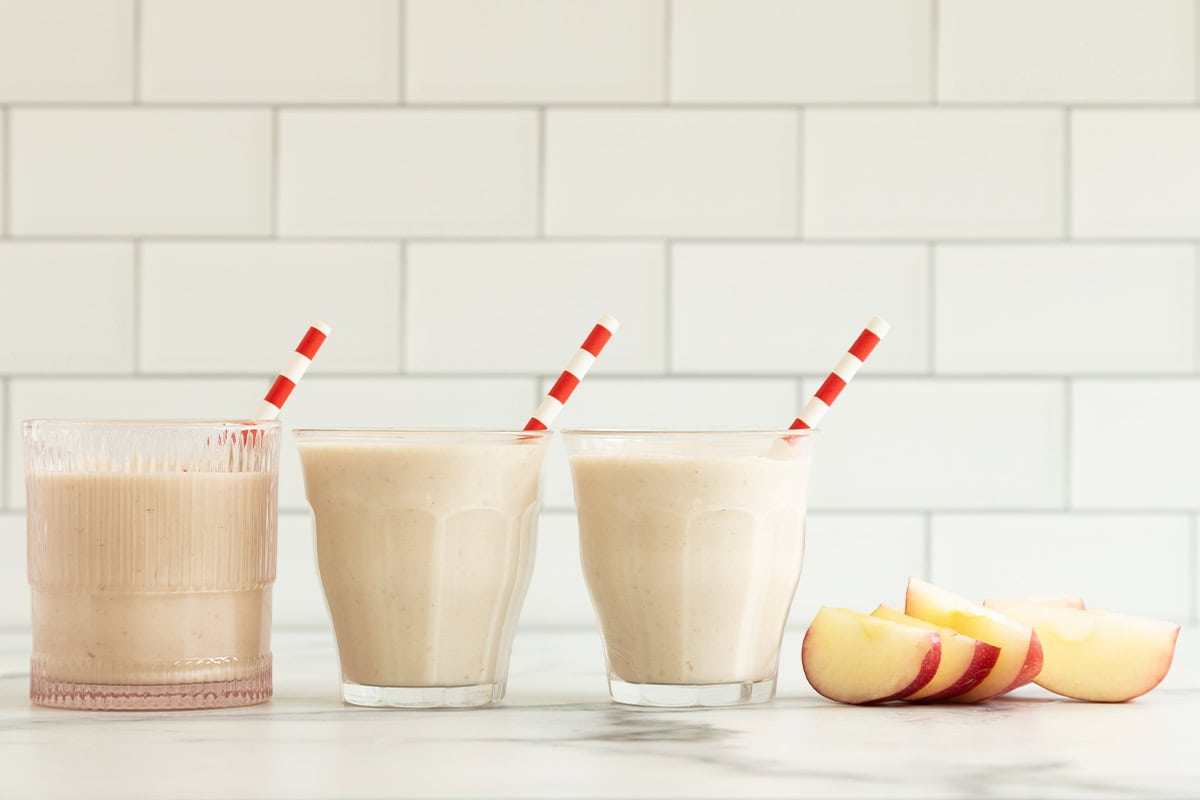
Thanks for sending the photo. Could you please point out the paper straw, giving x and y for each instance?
(297, 365)
(846, 369)
(577, 367)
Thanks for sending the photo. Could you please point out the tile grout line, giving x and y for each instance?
(274, 232)
(541, 177)
(622, 105)
(402, 53)
(623, 238)
(137, 52)
(935, 23)
(1068, 443)
(668, 39)
(668, 310)
(402, 255)
(137, 306)
(1066, 173)
(801, 164)
(1193, 560)
(931, 312)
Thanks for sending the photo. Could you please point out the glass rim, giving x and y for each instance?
(658, 433)
(486, 434)
(151, 423)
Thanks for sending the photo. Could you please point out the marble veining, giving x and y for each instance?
(556, 735)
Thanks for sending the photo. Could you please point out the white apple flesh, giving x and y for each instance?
(964, 664)
(1056, 600)
(850, 657)
(1020, 658)
(1097, 656)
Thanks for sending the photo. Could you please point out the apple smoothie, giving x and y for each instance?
(150, 572)
(691, 546)
(425, 544)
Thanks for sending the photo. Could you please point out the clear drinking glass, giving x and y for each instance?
(425, 543)
(151, 561)
(691, 544)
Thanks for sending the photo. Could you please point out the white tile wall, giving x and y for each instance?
(88, 329)
(553, 292)
(1135, 174)
(1066, 51)
(1079, 308)
(671, 173)
(786, 309)
(929, 174)
(133, 172)
(1128, 562)
(270, 51)
(408, 173)
(460, 187)
(66, 50)
(535, 51)
(265, 294)
(800, 51)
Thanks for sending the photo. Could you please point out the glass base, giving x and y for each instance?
(481, 694)
(683, 695)
(151, 697)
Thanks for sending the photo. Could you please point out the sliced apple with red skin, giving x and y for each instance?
(1097, 656)
(1020, 658)
(855, 658)
(1055, 600)
(964, 664)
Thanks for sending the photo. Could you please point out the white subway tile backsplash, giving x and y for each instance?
(671, 173)
(525, 307)
(127, 172)
(558, 596)
(1134, 444)
(354, 287)
(666, 403)
(66, 307)
(1135, 173)
(408, 173)
(1001, 309)
(66, 51)
(410, 402)
(947, 444)
(270, 51)
(1128, 563)
(858, 561)
(790, 309)
(944, 173)
(535, 51)
(299, 601)
(14, 585)
(1066, 51)
(800, 51)
(120, 398)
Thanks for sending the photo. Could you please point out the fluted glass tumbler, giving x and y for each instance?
(425, 543)
(151, 562)
(691, 545)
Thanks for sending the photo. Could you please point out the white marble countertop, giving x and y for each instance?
(556, 735)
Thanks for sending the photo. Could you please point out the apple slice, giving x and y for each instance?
(1094, 655)
(1056, 600)
(964, 664)
(1020, 651)
(856, 658)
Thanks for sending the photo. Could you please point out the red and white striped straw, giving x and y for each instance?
(297, 365)
(577, 367)
(846, 369)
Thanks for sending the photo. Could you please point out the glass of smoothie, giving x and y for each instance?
(691, 545)
(425, 545)
(151, 562)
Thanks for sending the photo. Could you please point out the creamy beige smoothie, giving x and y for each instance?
(425, 543)
(691, 551)
(151, 589)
